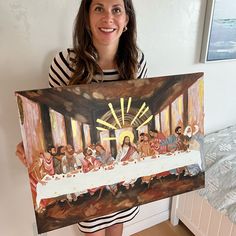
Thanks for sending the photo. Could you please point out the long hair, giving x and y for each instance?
(124, 141)
(86, 56)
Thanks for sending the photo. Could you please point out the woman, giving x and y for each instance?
(104, 49)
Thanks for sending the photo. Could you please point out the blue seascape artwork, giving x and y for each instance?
(222, 42)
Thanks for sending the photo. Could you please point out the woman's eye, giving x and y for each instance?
(116, 10)
(98, 9)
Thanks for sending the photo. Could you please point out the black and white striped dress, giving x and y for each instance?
(60, 73)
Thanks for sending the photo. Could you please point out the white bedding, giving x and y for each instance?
(220, 155)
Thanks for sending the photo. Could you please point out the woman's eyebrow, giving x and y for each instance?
(97, 4)
(117, 5)
(100, 4)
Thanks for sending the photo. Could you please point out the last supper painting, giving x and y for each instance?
(101, 148)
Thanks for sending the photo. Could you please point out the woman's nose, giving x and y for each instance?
(108, 17)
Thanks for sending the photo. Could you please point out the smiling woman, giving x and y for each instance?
(104, 49)
(107, 23)
(111, 26)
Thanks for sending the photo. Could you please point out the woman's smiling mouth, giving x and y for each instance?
(107, 30)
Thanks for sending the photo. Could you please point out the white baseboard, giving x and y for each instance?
(132, 228)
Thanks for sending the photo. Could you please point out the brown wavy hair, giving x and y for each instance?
(85, 63)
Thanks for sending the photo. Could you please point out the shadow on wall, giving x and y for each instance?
(10, 133)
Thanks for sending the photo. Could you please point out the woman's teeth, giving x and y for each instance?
(107, 30)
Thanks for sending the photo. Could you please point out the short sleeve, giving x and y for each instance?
(60, 71)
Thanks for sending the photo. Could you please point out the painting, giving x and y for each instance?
(219, 39)
(100, 148)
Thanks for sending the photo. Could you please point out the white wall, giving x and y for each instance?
(170, 34)
(31, 31)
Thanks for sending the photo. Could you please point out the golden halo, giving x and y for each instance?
(126, 133)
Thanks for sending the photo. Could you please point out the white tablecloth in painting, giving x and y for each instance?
(80, 182)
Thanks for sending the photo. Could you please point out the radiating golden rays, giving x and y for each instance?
(122, 110)
(109, 139)
(140, 110)
(147, 108)
(119, 124)
(114, 114)
(102, 122)
(101, 129)
(129, 104)
(146, 121)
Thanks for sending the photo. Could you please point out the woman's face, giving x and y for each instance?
(107, 19)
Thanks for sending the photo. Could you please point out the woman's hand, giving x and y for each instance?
(20, 153)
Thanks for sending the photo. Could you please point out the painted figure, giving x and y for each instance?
(127, 151)
(145, 148)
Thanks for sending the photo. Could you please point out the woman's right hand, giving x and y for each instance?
(20, 153)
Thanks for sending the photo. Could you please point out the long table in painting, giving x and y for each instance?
(80, 182)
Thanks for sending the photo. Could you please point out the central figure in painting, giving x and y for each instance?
(127, 151)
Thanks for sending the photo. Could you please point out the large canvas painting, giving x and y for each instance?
(219, 41)
(100, 148)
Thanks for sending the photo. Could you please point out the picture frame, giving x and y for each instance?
(96, 149)
(219, 36)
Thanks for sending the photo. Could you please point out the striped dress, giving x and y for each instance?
(60, 73)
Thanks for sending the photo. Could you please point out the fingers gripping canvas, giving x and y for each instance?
(96, 149)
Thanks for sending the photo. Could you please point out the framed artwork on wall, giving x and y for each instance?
(219, 37)
(101, 148)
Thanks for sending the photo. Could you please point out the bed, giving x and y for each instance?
(211, 211)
